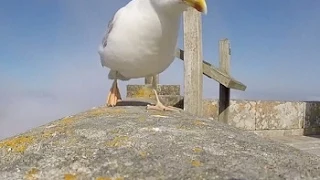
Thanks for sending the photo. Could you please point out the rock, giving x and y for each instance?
(132, 143)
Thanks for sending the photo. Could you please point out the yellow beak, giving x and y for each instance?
(199, 5)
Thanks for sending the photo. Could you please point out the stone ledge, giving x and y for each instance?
(268, 115)
(288, 132)
(252, 115)
(283, 132)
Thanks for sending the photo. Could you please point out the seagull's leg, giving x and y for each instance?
(159, 105)
(114, 95)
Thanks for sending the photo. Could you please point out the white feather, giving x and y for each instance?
(142, 40)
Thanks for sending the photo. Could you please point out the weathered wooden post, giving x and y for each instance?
(193, 80)
(224, 92)
(148, 80)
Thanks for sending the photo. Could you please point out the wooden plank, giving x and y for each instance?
(193, 69)
(224, 103)
(224, 55)
(224, 92)
(216, 74)
(149, 79)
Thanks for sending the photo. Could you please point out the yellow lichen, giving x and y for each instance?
(142, 118)
(103, 178)
(109, 178)
(67, 121)
(103, 111)
(196, 163)
(31, 175)
(144, 92)
(119, 178)
(17, 144)
(143, 154)
(118, 141)
(197, 149)
(70, 177)
(59, 128)
(183, 127)
(47, 133)
(199, 123)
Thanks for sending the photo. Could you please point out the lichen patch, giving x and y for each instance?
(197, 150)
(199, 123)
(104, 111)
(104, 178)
(143, 154)
(109, 178)
(32, 174)
(67, 121)
(196, 163)
(70, 177)
(144, 92)
(118, 141)
(18, 144)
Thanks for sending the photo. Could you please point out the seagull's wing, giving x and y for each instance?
(105, 40)
(112, 74)
(111, 25)
(109, 29)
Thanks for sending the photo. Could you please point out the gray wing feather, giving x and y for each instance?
(112, 73)
(105, 39)
(109, 29)
(110, 26)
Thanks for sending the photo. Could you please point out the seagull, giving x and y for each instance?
(141, 40)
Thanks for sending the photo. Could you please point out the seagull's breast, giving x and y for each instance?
(141, 43)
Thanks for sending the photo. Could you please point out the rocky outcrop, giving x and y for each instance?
(132, 143)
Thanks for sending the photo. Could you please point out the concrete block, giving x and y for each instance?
(142, 91)
(311, 131)
(280, 132)
(210, 108)
(241, 112)
(279, 115)
(312, 119)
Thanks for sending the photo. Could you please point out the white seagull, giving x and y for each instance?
(141, 41)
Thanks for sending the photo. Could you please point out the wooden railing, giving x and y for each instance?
(195, 66)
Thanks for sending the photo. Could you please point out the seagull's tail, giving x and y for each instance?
(113, 74)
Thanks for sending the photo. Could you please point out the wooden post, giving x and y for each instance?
(224, 92)
(193, 80)
(148, 80)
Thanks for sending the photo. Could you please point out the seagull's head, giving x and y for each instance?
(182, 5)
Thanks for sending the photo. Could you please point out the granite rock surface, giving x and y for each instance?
(133, 143)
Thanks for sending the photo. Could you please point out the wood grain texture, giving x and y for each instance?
(216, 74)
(149, 79)
(224, 92)
(193, 68)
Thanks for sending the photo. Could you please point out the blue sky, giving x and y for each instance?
(50, 68)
